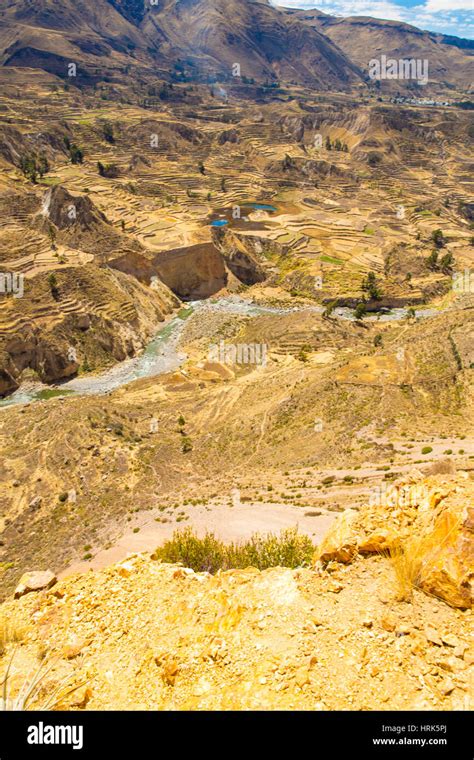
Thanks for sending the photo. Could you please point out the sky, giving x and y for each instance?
(446, 16)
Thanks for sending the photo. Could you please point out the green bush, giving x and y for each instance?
(426, 450)
(289, 549)
(187, 445)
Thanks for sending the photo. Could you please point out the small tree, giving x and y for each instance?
(446, 263)
(53, 284)
(52, 236)
(369, 285)
(108, 132)
(432, 261)
(438, 238)
(328, 309)
(76, 154)
(187, 445)
(43, 165)
(29, 168)
(360, 311)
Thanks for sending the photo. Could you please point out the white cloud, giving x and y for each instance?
(445, 16)
(449, 5)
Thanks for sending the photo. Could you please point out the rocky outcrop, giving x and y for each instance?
(48, 357)
(75, 221)
(75, 328)
(66, 211)
(35, 581)
(228, 135)
(15, 145)
(137, 265)
(243, 255)
(309, 169)
(426, 526)
(193, 272)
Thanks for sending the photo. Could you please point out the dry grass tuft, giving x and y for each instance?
(9, 634)
(36, 691)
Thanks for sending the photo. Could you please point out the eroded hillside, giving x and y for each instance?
(353, 632)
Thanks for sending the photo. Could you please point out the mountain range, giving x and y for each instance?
(203, 40)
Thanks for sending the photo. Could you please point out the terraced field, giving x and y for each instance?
(111, 241)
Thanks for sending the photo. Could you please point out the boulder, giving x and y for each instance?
(447, 562)
(35, 503)
(340, 544)
(35, 581)
(433, 525)
(379, 542)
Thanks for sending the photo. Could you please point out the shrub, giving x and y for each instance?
(289, 549)
(374, 159)
(187, 445)
(303, 353)
(438, 238)
(447, 263)
(108, 132)
(432, 261)
(328, 309)
(426, 450)
(76, 154)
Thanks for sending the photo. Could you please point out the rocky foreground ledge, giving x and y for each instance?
(344, 634)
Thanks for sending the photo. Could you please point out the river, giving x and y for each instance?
(163, 355)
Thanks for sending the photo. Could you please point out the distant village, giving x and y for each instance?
(420, 101)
